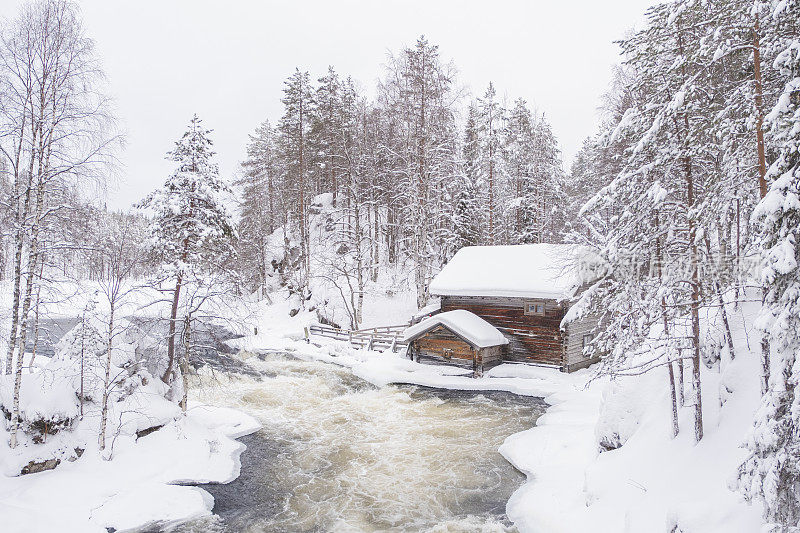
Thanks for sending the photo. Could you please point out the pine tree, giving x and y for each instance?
(325, 130)
(294, 127)
(652, 298)
(418, 93)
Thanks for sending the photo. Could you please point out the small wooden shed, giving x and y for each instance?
(456, 337)
(524, 291)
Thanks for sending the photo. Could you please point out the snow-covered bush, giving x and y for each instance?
(624, 403)
(48, 401)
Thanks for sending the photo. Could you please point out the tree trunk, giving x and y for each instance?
(376, 247)
(19, 243)
(762, 172)
(36, 311)
(695, 309)
(659, 266)
(185, 361)
(83, 351)
(671, 374)
(721, 300)
(33, 257)
(681, 380)
(176, 294)
(107, 377)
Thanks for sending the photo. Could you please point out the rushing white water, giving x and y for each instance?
(336, 454)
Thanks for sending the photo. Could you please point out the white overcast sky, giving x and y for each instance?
(226, 61)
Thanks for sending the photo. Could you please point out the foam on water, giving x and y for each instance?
(337, 454)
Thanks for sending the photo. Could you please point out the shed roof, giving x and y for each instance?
(547, 271)
(466, 325)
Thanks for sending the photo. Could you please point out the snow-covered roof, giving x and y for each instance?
(547, 271)
(468, 326)
(428, 309)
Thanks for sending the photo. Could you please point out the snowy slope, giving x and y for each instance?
(138, 487)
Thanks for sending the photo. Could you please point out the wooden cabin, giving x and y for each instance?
(456, 337)
(523, 291)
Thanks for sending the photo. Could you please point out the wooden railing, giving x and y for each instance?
(380, 338)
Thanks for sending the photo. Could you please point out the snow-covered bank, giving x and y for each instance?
(651, 483)
(139, 486)
(151, 447)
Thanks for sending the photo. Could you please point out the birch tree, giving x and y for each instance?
(54, 128)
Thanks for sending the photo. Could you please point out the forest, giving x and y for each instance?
(687, 194)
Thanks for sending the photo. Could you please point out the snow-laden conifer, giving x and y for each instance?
(191, 229)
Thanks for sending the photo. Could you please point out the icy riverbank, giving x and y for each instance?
(141, 486)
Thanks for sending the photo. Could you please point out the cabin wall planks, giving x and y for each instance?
(442, 346)
(574, 343)
(533, 338)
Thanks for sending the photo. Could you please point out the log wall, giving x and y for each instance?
(440, 345)
(532, 338)
(440, 342)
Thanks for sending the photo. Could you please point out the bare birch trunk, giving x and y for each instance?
(33, 255)
(19, 243)
(107, 377)
(36, 311)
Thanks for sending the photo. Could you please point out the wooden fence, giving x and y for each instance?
(380, 338)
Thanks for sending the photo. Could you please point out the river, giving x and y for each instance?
(338, 454)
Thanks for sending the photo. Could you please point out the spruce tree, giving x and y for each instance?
(490, 126)
(467, 213)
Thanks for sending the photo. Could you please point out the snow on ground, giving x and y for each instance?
(651, 483)
(139, 486)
